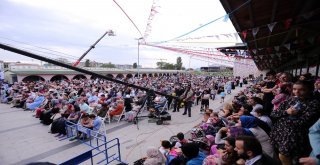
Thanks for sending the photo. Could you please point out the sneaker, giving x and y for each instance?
(57, 135)
(74, 138)
(61, 136)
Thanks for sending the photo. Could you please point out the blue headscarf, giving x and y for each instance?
(248, 122)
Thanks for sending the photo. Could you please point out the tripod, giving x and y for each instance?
(148, 101)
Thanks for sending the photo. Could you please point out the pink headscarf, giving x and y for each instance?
(212, 160)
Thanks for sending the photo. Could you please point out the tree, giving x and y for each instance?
(160, 64)
(165, 65)
(87, 63)
(108, 65)
(179, 63)
(134, 66)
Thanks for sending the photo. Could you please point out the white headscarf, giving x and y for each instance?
(154, 157)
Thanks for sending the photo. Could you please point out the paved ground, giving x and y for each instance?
(23, 139)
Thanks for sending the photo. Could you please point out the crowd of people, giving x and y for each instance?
(274, 120)
(86, 101)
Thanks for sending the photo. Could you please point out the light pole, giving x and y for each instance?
(141, 38)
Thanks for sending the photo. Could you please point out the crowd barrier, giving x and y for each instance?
(100, 148)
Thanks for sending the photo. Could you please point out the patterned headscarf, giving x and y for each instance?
(154, 156)
(212, 160)
(236, 131)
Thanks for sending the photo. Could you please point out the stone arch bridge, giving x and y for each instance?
(57, 73)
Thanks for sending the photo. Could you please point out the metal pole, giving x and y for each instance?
(138, 58)
(138, 69)
(317, 69)
(308, 65)
(110, 32)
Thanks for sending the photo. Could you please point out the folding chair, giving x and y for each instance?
(107, 117)
(165, 106)
(120, 116)
(102, 129)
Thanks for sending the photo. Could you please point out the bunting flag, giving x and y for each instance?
(226, 35)
(292, 51)
(254, 51)
(236, 36)
(271, 26)
(279, 55)
(272, 55)
(311, 40)
(287, 23)
(244, 34)
(269, 50)
(152, 14)
(287, 46)
(255, 31)
(277, 48)
(308, 15)
(226, 18)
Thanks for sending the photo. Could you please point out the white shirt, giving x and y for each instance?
(253, 160)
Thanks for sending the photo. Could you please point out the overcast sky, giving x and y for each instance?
(71, 26)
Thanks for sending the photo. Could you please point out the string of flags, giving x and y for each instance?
(230, 60)
(217, 36)
(225, 19)
(287, 23)
(153, 12)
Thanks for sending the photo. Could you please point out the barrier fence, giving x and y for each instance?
(100, 148)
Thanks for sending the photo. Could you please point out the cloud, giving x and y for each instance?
(72, 26)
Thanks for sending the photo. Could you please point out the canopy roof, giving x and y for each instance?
(279, 34)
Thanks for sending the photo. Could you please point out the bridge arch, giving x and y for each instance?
(33, 78)
(79, 76)
(59, 77)
(120, 76)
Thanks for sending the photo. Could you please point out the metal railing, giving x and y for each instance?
(98, 144)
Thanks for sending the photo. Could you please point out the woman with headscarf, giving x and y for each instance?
(154, 157)
(212, 160)
(250, 125)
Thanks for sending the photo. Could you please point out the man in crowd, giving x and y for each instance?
(250, 150)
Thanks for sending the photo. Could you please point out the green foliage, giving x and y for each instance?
(165, 65)
(179, 63)
(134, 66)
(108, 65)
(87, 63)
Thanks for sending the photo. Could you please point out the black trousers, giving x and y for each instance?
(176, 105)
(187, 107)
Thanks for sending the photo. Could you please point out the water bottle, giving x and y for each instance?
(296, 107)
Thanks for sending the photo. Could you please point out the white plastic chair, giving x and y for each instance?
(120, 116)
(107, 117)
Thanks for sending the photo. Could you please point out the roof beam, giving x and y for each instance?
(273, 15)
(252, 18)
